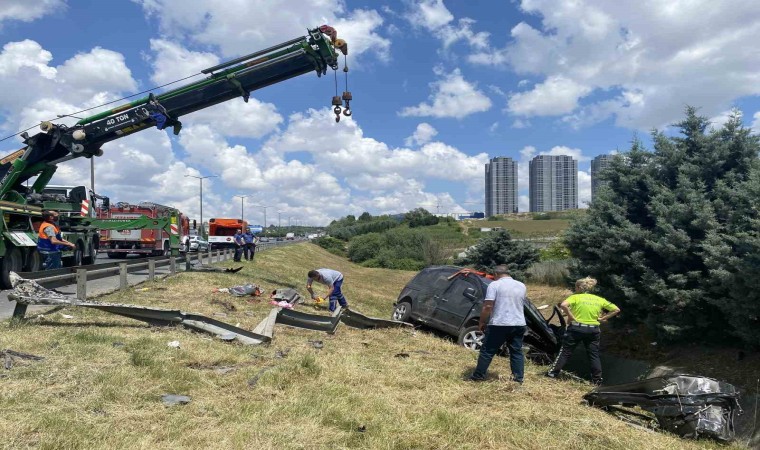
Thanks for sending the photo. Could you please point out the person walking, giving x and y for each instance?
(249, 245)
(239, 244)
(584, 312)
(50, 242)
(503, 321)
(333, 280)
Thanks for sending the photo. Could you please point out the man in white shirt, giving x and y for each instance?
(504, 314)
(333, 280)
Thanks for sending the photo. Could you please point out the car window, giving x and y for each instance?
(457, 288)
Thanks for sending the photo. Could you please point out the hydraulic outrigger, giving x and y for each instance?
(57, 143)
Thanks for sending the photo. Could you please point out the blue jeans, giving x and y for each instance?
(52, 260)
(337, 296)
(493, 340)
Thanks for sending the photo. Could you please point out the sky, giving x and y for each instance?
(439, 88)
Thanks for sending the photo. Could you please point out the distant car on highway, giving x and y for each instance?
(198, 244)
(263, 239)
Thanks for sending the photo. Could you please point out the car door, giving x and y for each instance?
(430, 285)
(453, 307)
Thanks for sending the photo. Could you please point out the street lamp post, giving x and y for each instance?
(265, 215)
(279, 222)
(201, 180)
(242, 211)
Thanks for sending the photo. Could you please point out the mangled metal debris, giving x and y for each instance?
(197, 267)
(28, 292)
(242, 290)
(9, 356)
(688, 406)
(314, 322)
(357, 320)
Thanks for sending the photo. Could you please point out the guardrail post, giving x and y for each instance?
(123, 276)
(82, 284)
(209, 256)
(151, 269)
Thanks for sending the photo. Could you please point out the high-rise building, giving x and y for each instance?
(598, 164)
(501, 186)
(553, 183)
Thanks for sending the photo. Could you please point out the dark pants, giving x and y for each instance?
(238, 252)
(249, 250)
(52, 260)
(337, 296)
(590, 338)
(493, 340)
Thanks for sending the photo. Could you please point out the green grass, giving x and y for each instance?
(101, 383)
(522, 228)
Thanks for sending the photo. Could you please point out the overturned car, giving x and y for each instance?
(450, 298)
(685, 405)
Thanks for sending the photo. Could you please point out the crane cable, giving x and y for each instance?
(105, 104)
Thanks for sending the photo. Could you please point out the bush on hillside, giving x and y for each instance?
(674, 235)
(420, 217)
(556, 251)
(499, 248)
(332, 245)
(553, 273)
(393, 249)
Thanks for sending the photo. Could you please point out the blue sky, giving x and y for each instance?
(439, 87)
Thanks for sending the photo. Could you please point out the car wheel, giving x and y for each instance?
(12, 262)
(402, 312)
(471, 338)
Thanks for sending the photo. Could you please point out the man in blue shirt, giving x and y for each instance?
(503, 312)
(249, 245)
(239, 243)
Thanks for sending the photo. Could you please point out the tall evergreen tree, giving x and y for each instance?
(674, 234)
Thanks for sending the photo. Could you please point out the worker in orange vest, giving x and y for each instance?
(50, 241)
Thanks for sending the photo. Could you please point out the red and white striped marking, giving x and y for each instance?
(175, 229)
(85, 211)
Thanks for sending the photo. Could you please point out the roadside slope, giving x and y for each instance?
(102, 380)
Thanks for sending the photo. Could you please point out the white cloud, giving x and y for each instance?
(422, 135)
(434, 17)
(452, 96)
(756, 122)
(26, 11)
(241, 27)
(645, 61)
(96, 71)
(520, 124)
(557, 95)
(172, 61)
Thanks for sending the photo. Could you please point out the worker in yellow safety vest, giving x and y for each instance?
(50, 241)
(585, 312)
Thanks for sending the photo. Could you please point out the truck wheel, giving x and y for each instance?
(78, 258)
(33, 261)
(12, 262)
(471, 338)
(402, 312)
(167, 249)
(92, 256)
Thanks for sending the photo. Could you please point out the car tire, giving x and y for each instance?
(402, 312)
(11, 262)
(471, 338)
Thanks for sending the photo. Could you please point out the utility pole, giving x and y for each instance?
(201, 180)
(279, 222)
(265, 215)
(242, 213)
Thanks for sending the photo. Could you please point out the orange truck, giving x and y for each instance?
(120, 243)
(220, 231)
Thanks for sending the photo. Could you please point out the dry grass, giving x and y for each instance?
(101, 383)
(524, 228)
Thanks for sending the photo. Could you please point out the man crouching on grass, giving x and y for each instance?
(333, 280)
(503, 312)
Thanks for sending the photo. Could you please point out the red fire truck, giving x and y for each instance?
(120, 243)
(220, 231)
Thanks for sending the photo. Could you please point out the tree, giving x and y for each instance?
(365, 217)
(420, 217)
(674, 235)
(499, 248)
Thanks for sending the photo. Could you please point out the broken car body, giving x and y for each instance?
(685, 405)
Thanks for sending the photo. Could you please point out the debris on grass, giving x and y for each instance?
(10, 356)
(173, 400)
(173, 344)
(224, 304)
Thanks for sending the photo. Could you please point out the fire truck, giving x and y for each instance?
(220, 231)
(149, 242)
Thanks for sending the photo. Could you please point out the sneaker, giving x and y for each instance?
(550, 375)
(475, 379)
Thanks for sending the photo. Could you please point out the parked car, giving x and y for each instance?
(198, 244)
(449, 299)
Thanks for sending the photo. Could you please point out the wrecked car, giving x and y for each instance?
(450, 298)
(685, 405)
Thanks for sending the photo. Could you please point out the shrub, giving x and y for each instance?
(499, 248)
(364, 247)
(332, 245)
(554, 273)
(556, 251)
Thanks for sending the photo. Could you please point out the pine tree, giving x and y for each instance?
(499, 248)
(673, 235)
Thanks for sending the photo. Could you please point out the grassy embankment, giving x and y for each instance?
(526, 228)
(101, 383)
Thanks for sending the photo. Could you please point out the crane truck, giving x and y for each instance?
(21, 205)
